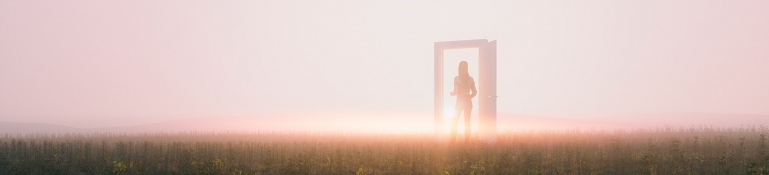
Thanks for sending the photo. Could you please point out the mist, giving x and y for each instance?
(367, 66)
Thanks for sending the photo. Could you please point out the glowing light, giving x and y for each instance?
(449, 112)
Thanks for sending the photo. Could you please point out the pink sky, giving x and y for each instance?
(119, 63)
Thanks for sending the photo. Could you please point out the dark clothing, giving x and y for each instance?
(466, 106)
(463, 85)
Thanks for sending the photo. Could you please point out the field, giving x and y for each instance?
(696, 150)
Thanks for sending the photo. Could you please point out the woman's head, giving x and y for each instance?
(463, 69)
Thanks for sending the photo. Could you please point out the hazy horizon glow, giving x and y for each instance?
(118, 63)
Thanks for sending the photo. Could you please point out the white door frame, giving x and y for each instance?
(488, 119)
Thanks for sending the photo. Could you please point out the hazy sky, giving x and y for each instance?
(111, 63)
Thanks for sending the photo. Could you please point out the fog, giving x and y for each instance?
(325, 65)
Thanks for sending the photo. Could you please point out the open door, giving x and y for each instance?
(487, 86)
(487, 91)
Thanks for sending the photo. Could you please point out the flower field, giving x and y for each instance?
(696, 150)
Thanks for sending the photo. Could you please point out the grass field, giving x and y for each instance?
(699, 150)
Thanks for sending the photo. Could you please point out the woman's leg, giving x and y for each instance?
(454, 121)
(468, 110)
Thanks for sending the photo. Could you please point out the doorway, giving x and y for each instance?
(486, 84)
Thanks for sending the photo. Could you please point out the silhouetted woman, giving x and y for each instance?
(463, 86)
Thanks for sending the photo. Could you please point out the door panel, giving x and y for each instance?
(487, 91)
